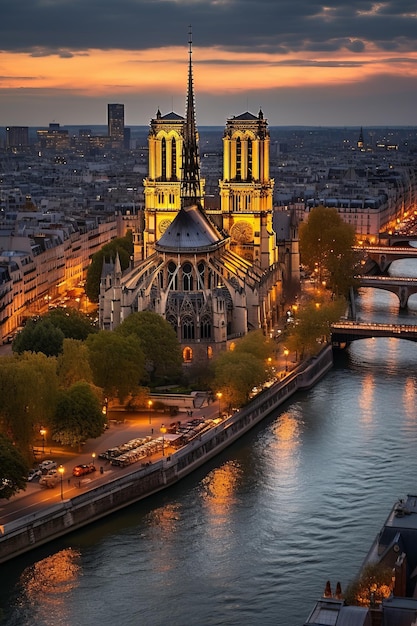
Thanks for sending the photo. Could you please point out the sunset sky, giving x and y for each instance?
(342, 63)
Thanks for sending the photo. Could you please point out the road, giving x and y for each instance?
(123, 427)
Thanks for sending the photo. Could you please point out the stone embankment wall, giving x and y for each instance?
(39, 528)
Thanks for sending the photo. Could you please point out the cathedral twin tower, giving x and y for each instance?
(214, 275)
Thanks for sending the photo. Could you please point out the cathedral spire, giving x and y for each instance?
(190, 183)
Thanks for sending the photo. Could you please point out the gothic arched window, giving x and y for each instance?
(187, 277)
(188, 331)
(187, 355)
(174, 159)
(238, 159)
(164, 159)
(172, 275)
(201, 267)
(249, 176)
(205, 328)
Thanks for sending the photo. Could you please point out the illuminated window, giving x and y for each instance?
(187, 355)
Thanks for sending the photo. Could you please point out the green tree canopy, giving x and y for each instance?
(313, 326)
(123, 246)
(13, 469)
(74, 324)
(78, 415)
(73, 363)
(326, 248)
(255, 343)
(28, 392)
(163, 357)
(39, 336)
(236, 373)
(117, 362)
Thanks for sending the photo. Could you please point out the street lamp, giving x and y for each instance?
(94, 458)
(286, 353)
(150, 408)
(219, 395)
(163, 431)
(61, 470)
(43, 433)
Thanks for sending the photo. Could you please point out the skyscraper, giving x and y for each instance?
(17, 137)
(116, 122)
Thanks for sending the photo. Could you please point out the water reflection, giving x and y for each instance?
(218, 492)
(44, 588)
(366, 399)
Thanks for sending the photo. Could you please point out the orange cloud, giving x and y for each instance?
(98, 72)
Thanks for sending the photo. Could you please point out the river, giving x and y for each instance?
(252, 538)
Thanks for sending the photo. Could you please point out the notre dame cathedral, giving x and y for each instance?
(214, 275)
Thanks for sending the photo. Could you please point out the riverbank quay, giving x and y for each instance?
(33, 530)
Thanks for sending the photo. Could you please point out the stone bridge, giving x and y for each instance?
(401, 286)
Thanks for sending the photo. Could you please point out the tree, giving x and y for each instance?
(236, 373)
(78, 415)
(123, 246)
(13, 469)
(312, 326)
(163, 358)
(28, 392)
(46, 334)
(39, 336)
(255, 343)
(326, 248)
(117, 362)
(74, 324)
(73, 363)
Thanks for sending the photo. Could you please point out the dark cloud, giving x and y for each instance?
(65, 26)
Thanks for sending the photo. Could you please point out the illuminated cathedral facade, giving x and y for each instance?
(214, 276)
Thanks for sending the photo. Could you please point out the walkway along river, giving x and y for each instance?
(36, 529)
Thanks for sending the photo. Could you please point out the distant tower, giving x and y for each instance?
(360, 143)
(116, 123)
(17, 137)
(246, 189)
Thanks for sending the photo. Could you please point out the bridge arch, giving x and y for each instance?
(344, 333)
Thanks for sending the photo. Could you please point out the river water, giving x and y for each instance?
(252, 538)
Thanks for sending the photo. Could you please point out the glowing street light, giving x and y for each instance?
(163, 431)
(61, 470)
(42, 432)
(150, 409)
(219, 396)
(286, 353)
(94, 458)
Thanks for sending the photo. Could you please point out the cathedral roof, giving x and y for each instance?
(172, 116)
(189, 230)
(245, 116)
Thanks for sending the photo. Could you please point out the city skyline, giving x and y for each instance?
(302, 63)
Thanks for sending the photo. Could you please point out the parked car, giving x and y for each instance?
(47, 465)
(49, 480)
(34, 473)
(81, 470)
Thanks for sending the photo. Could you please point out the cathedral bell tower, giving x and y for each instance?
(173, 170)
(246, 189)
